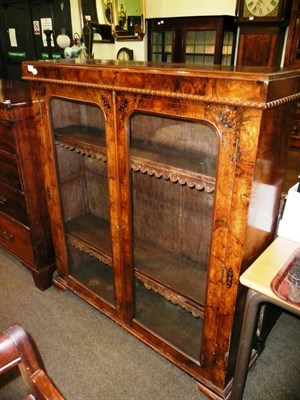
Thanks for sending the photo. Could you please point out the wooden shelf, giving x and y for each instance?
(82, 139)
(91, 235)
(92, 274)
(163, 319)
(195, 171)
(176, 278)
(179, 280)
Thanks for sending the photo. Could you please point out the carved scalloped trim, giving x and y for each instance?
(149, 284)
(79, 245)
(175, 95)
(170, 295)
(192, 180)
(82, 150)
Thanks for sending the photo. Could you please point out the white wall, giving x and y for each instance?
(154, 9)
(76, 16)
(188, 8)
(108, 51)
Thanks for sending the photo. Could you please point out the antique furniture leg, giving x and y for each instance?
(253, 302)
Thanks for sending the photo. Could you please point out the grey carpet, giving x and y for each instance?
(89, 357)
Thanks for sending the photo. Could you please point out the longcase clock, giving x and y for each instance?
(262, 26)
(261, 10)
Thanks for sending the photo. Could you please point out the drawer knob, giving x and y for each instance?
(3, 200)
(8, 235)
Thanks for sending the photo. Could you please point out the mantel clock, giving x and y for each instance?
(125, 54)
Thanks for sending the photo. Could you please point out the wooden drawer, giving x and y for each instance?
(16, 238)
(6, 137)
(14, 204)
(9, 172)
(295, 142)
(5, 113)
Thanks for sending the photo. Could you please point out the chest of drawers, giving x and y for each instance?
(24, 223)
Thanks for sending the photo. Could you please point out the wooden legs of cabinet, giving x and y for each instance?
(43, 278)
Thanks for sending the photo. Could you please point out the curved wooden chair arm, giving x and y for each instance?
(16, 350)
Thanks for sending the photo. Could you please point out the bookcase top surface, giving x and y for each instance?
(170, 68)
(237, 84)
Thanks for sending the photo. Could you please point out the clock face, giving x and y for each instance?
(125, 54)
(261, 8)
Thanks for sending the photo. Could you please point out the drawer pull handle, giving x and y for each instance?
(8, 235)
(3, 200)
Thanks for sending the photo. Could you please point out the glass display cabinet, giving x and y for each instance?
(195, 40)
(155, 179)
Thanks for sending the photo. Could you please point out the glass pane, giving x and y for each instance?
(198, 59)
(172, 217)
(210, 37)
(209, 60)
(226, 60)
(199, 49)
(227, 50)
(162, 43)
(156, 57)
(191, 36)
(82, 172)
(200, 42)
(228, 38)
(200, 36)
(190, 48)
(209, 49)
(154, 37)
(189, 59)
(169, 37)
(156, 48)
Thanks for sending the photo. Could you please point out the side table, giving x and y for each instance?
(258, 278)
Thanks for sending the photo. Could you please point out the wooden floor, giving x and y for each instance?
(293, 169)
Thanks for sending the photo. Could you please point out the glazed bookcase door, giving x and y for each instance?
(80, 148)
(201, 47)
(162, 46)
(173, 170)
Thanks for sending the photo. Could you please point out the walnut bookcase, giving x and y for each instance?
(163, 185)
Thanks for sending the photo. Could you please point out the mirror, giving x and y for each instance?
(97, 14)
(127, 19)
(104, 10)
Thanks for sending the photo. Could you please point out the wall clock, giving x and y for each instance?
(125, 54)
(261, 10)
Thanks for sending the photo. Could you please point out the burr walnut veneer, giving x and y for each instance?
(24, 223)
(163, 185)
